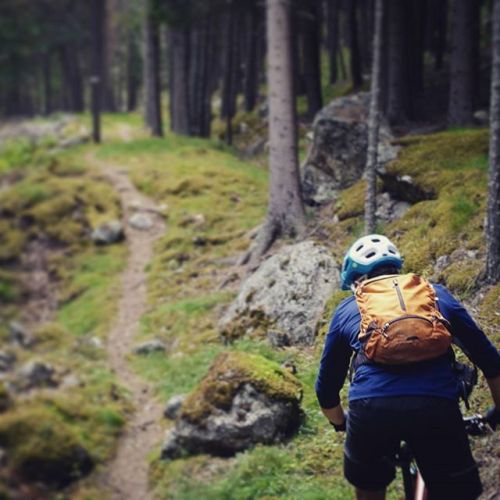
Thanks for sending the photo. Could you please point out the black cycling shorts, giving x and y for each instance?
(434, 431)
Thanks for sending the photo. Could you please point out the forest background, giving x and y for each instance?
(163, 110)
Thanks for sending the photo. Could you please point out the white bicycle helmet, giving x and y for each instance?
(367, 253)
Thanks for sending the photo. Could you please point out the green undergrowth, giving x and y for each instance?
(53, 201)
(450, 169)
(213, 199)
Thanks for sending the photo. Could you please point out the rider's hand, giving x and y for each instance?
(340, 427)
(493, 417)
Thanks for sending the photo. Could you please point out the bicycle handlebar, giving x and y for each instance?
(477, 425)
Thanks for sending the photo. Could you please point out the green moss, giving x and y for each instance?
(41, 448)
(254, 323)
(229, 371)
(90, 292)
(12, 241)
(351, 201)
(451, 165)
(50, 335)
(489, 313)
(463, 276)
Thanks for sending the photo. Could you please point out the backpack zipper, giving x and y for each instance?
(412, 316)
(400, 295)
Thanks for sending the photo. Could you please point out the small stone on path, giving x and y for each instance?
(141, 222)
(149, 347)
(108, 232)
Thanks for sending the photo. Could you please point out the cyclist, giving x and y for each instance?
(415, 402)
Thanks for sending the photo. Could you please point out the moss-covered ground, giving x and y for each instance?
(55, 198)
(214, 199)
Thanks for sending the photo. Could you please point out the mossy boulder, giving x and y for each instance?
(337, 157)
(286, 294)
(244, 399)
(42, 448)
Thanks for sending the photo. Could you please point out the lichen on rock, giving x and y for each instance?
(287, 293)
(243, 400)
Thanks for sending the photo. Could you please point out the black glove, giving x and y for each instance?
(493, 417)
(342, 427)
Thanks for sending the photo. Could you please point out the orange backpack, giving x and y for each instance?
(400, 322)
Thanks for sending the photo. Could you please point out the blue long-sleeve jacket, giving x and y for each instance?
(371, 380)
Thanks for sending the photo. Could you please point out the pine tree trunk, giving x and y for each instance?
(108, 94)
(132, 69)
(357, 77)
(178, 50)
(47, 83)
(493, 213)
(461, 65)
(366, 21)
(374, 122)
(152, 87)
(397, 104)
(285, 214)
(311, 47)
(440, 32)
(231, 70)
(332, 37)
(251, 82)
(98, 13)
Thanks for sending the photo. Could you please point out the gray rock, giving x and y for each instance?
(278, 339)
(7, 360)
(20, 334)
(339, 147)
(108, 232)
(403, 188)
(35, 374)
(287, 293)
(441, 264)
(142, 222)
(149, 347)
(173, 406)
(389, 209)
(252, 418)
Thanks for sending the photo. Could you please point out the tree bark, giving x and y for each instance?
(493, 211)
(357, 77)
(461, 65)
(397, 100)
(178, 47)
(285, 214)
(47, 83)
(332, 37)
(152, 86)
(98, 12)
(72, 77)
(374, 122)
(251, 82)
(440, 32)
(311, 28)
(132, 74)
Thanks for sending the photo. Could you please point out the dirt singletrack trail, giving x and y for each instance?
(126, 477)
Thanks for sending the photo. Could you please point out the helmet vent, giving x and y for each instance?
(359, 248)
(375, 240)
(371, 254)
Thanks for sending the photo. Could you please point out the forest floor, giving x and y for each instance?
(172, 283)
